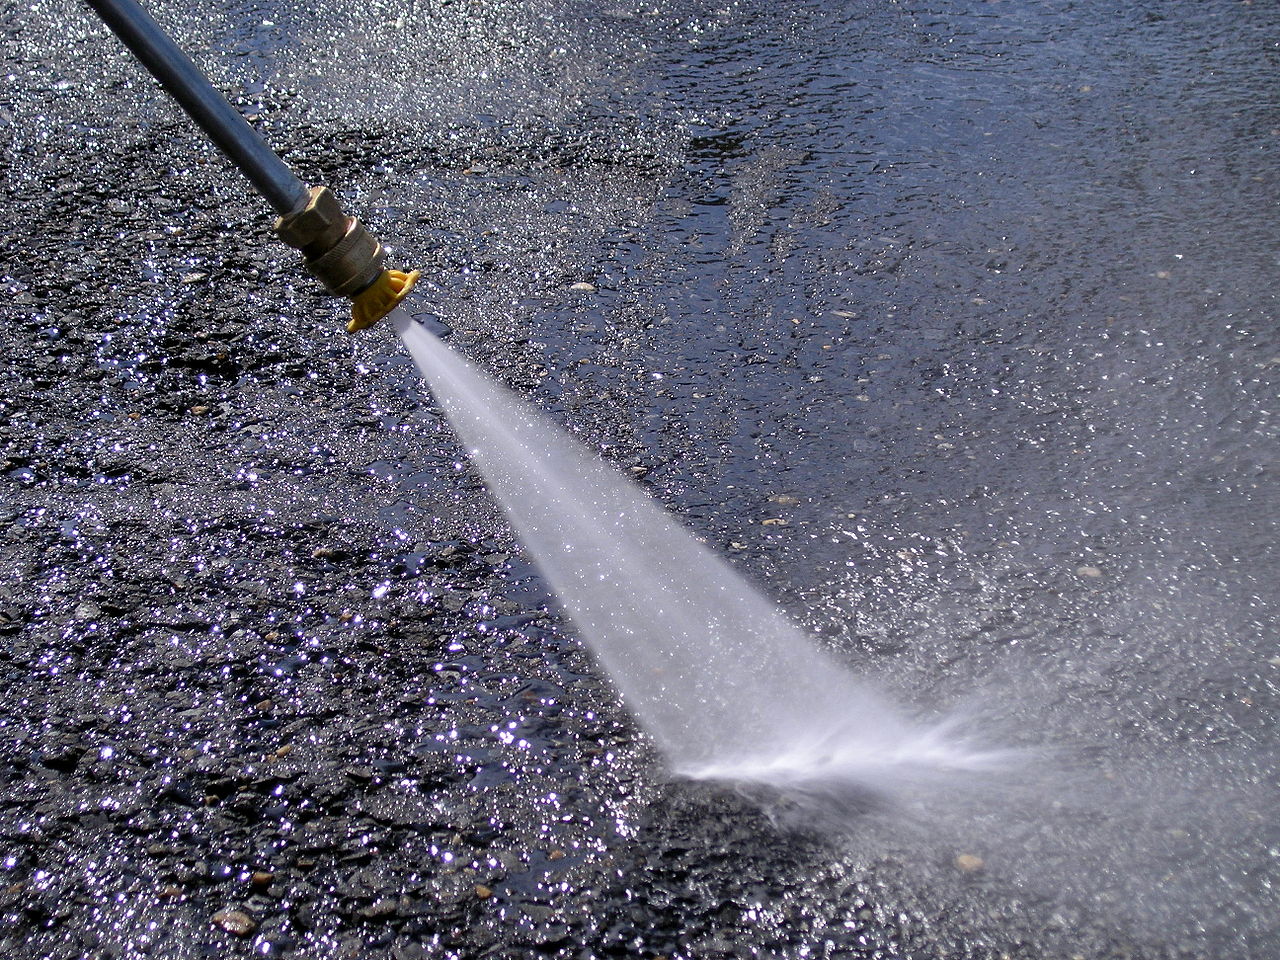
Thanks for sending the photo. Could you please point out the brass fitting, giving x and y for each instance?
(339, 251)
(345, 257)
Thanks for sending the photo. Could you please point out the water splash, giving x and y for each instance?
(726, 685)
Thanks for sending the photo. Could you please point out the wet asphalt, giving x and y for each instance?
(975, 303)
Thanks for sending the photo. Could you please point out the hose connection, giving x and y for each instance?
(345, 257)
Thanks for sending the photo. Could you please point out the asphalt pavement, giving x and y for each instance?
(952, 324)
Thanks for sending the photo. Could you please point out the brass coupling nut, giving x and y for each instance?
(338, 250)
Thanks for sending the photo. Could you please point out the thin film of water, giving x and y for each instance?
(728, 688)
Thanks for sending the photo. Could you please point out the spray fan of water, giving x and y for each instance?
(726, 685)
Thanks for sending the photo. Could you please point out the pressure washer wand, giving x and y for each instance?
(338, 249)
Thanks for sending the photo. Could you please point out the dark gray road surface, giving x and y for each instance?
(978, 297)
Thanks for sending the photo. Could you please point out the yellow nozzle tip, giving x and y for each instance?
(379, 298)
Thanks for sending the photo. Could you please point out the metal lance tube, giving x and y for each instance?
(186, 84)
(337, 248)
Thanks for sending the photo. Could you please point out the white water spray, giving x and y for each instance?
(725, 684)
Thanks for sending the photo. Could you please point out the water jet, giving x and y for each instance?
(726, 685)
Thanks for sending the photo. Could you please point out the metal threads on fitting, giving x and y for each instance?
(338, 250)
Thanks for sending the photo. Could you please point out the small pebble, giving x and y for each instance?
(170, 892)
(483, 892)
(262, 878)
(774, 522)
(1088, 572)
(380, 910)
(234, 921)
(583, 286)
(968, 863)
(199, 409)
(556, 855)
